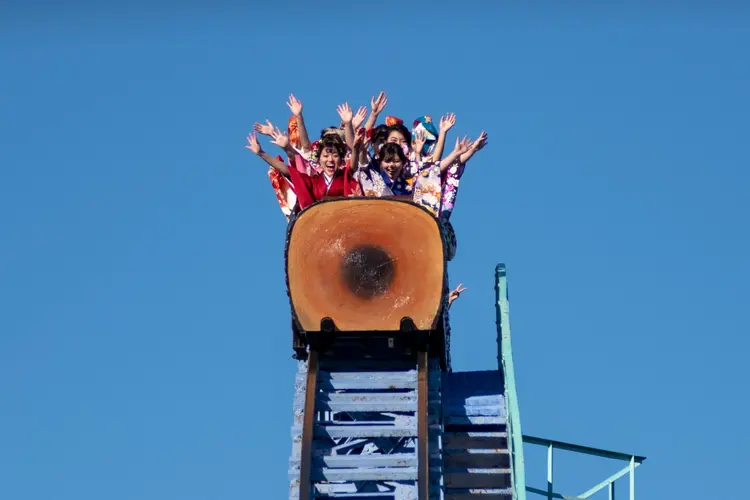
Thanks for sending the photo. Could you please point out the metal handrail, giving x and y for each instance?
(516, 438)
(633, 462)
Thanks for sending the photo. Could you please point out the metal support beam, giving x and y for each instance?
(610, 481)
(549, 472)
(308, 425)
(423, 455)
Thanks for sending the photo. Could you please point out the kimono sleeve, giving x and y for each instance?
(303, 186)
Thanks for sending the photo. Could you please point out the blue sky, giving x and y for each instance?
(144, 326)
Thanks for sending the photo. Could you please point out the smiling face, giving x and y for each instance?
(330, 160)
(392, 160)
(398, 134)
(396, 137)
(392, 167)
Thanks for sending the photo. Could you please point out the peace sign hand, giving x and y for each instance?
(456, 293)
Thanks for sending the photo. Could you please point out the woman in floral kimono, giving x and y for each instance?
(392, 174)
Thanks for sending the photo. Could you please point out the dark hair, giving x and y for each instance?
(379, 134)
(391, 150)
(333, 142)
(330, 131)
(399, 128)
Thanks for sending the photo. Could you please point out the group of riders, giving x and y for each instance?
(361, 158)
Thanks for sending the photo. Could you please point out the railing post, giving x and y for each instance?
(505, 360)
(549, 472)
(632, 478)
(612, 490)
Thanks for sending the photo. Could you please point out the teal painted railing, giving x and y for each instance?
(516, 439)
(632, 460)
(505, 359)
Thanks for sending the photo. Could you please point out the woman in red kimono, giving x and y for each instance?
(334, 179)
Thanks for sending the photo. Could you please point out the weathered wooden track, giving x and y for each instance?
(366, 430)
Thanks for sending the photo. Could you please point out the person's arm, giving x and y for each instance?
(345, 112)
(475, 146)
(295, 107)
(378, 105)
(462, 146)
(446, 123)
(303, 187)
(357, 149)
(254, 146)
(281, 140)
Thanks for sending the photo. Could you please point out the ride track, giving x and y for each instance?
(378, 411)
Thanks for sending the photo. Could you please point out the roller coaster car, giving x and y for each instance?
(366, 268)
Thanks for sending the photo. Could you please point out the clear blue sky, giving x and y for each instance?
(144, 326)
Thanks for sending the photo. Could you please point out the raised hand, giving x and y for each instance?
(367, 141)
(345, 112)
(253, 144)
(462, 145)
(266, 129)
(359, 118)
(378, 103)
(295, 106)
(447, 122)
(456, 293)
(281, 139)
(480, 142)
(417, 142)
(360, 137)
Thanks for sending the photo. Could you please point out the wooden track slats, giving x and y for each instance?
(479, 494)
(365, 434)
(383, 380)
(476, 462)
(475, 440)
